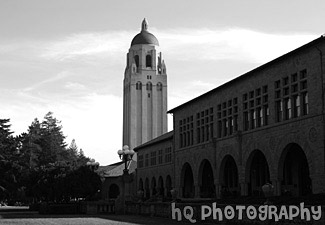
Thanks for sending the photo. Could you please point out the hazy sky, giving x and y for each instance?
(69, 57)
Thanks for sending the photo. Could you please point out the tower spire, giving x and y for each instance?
(144, 26)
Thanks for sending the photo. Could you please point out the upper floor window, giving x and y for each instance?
(256, 108)
(138, 86)
(291, 96)
(149, 86)
(136, 59)
(148, 61)
(227, 115)
(159, 86)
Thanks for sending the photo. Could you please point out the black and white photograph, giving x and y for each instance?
(162, 112)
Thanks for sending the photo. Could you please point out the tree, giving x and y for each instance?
(9, 167)
(40, 164)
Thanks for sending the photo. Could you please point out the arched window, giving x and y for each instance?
(148, 61)
(136, 59)
(159, 86)
(149, 86)
(138, 86)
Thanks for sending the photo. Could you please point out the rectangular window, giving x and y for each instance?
(278, 94)
(202, 134)
(219, 129)
(231, 125)
(207, 131)
(294, 77)
(146, 160)
(245, 97)
(153, 158)
(285, 81)
(303, 85)
(225, 126)
(160, 156)
(211, 130)
(265, 89)
(287, 108)
(140, 160)
(266, 114)
(198, 135)
(278, 108)
(253, 119)
(246, 121)
(303, 74)
(296, 106)
(305, 107)
(277, 84)
(168, 155)
(259, 117)
(235, 123)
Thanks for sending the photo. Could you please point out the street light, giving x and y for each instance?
(126, 155)
(93, 165)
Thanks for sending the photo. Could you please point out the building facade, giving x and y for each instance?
(265, 126)
(155, 167)
(145, 90)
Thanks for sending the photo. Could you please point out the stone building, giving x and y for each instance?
(155, 167)
(265, 126)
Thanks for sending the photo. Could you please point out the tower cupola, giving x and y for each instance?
(144, 37)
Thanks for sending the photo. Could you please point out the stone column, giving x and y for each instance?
(277, 187)
(196, 190)
(244, 189)
(218, 190)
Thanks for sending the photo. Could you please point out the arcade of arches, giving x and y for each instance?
(161, 189)
(292, 169)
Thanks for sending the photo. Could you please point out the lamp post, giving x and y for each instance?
(126, 155)
(93, 165)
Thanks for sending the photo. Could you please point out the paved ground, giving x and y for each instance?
(21, 216)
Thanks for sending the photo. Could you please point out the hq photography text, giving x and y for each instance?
(240, 212)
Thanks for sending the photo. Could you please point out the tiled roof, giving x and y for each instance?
(118, 170)
(168, 135)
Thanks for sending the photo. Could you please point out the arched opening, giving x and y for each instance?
(187, 181)
(168, 186)
(141, 184)
(138, 86)
(206, 180)
(136, 59)
(161, 187)
(258, 173)
(146, 189)
(113, 191)
(159, 86)
(294, 172)
(153, 186)
(148, 61)
(149, 86)
(229, 177)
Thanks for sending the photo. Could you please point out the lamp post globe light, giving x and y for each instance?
(92, 165)
(126, 155)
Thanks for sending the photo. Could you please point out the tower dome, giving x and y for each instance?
(144, 37)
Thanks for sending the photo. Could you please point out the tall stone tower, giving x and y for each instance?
(145, 90)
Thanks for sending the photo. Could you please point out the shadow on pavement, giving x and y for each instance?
(24, 213)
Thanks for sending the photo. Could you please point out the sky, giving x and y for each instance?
(69, 57)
